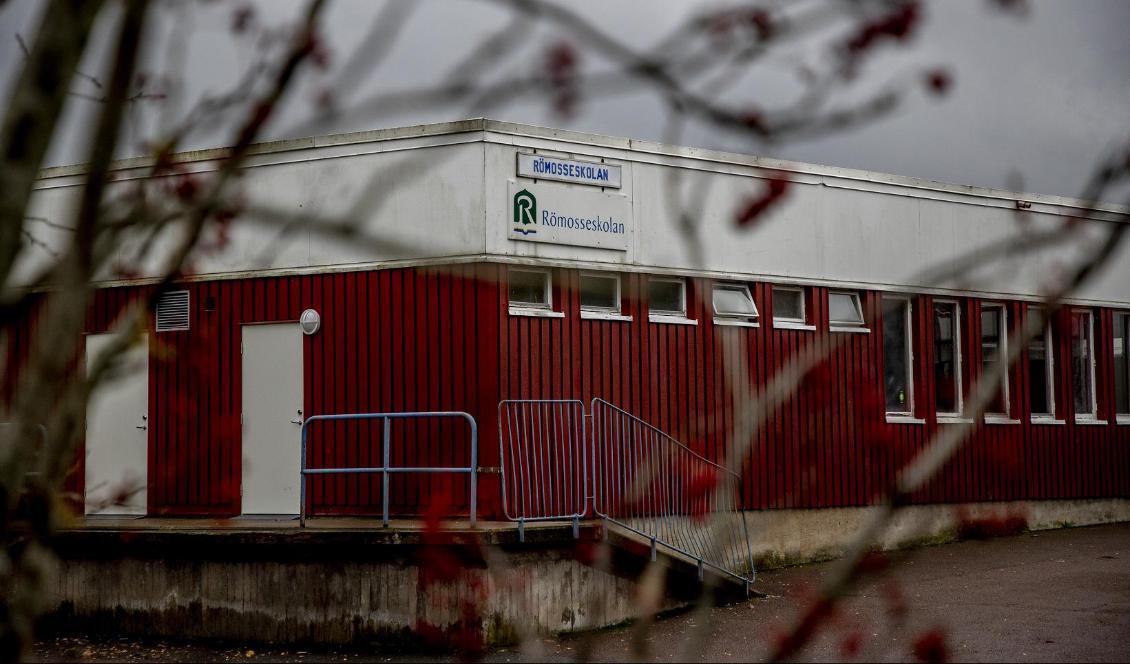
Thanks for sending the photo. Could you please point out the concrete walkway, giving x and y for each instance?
(1047, 596)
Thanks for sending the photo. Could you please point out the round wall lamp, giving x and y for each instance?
(310, 321)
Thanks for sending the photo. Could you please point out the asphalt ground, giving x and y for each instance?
(1060, 595)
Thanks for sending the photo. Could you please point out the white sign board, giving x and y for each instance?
(578, 217)
(541, 167)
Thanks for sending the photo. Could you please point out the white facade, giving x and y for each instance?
(446, 192)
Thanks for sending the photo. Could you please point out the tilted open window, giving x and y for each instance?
(845, 313)
(733, 305)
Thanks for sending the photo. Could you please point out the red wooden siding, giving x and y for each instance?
(442, 339)
(828, 445)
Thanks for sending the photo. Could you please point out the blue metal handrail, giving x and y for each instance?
(384, 469)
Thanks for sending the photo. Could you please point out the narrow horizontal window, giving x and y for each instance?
(1041, 368)
(994, 340)
(788, 305)
(1083, 365)
(1121, 338)
(600, 293)
(734, 302)
(898, 357)
(667, 297)
(844, 310)
(530, 289)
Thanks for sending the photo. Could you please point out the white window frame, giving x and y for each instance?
(789, 323)
(1049, 358)
(907, 415)
(1002, 354)
(1091, 417)
(614, 312)
(1120, 417)
(847, 326)
(958, 362)
(530, 309)
(733, 319)
(664, 315)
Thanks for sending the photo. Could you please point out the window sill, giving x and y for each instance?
(997, 419)
(1090, 421)
(1122, 419)
(729, 322)
(954, 419)
(904, 419)
(856, 330)
(1047, 420)
(603, 315)
(793, 326)
(673, 320)
(535, 313)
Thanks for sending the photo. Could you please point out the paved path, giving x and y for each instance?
(1048, 596)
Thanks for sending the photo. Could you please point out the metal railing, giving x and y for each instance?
(652, 485)
(636, 476)
(385, 470)
(543, 461)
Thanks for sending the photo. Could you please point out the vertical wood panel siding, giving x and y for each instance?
(442, 339)
(829, 444)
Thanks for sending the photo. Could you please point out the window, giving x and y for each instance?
(1041, 369)
(845, 314)
(667, 297)
(734, 305)
(172, 311)
(994, 348)
(530, 289)
(600, 293)
(1121, 338)
(898, 357)
(788, 307)
(947, 358)
(1083, 365)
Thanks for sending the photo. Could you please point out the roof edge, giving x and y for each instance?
(653, 148)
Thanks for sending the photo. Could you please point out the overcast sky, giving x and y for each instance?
(1040, 96)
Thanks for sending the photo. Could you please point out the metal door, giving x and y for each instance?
(117, 433)
(272, 418)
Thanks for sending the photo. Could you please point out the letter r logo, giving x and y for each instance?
(525, 209)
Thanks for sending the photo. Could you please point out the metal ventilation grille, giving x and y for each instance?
(172, 311)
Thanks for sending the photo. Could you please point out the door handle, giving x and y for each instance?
(299, 420)
(143, 427)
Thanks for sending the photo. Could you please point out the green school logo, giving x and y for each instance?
(525, 212)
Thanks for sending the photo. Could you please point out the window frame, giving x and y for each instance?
(1091, 417)
(615, 312)
(788, 322)
(958, 363)
(666, 315)
(1048, 417)
(908, 322)
(1002, 355)
(528, 308)
(1120, 417)
(735, 319)
(847, 326)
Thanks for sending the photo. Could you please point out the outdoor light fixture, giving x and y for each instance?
(310, 321)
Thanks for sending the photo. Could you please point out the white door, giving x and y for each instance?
(272, 417)
(117, 433)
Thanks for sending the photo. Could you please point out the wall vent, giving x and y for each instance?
(172, 311)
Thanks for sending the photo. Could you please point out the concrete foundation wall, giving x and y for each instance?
(784, 537)
(388, 587)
